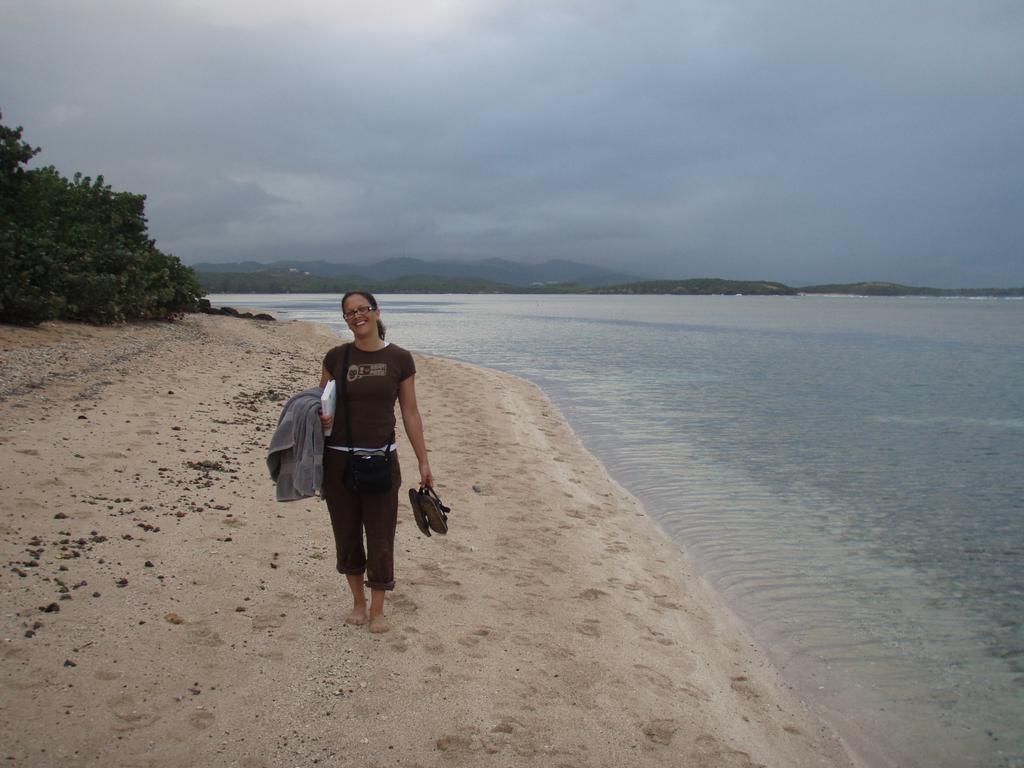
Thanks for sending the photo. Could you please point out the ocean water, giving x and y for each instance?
(848, 473)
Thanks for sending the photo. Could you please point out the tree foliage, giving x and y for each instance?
(73, 249)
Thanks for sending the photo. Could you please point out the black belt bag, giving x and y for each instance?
(366, 471)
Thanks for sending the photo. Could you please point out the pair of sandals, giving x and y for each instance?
(428, 511)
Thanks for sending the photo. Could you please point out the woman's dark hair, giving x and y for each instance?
(381, 330)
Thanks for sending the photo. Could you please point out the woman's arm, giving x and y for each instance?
(414, 427)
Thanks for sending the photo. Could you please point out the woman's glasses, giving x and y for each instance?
(363, 310)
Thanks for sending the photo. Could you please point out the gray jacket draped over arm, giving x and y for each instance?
(296, 454)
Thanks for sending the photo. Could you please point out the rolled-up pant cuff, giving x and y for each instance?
(388, 585)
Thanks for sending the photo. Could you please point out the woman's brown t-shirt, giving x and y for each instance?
(371, 389)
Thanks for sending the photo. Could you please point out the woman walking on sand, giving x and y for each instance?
(377, 373)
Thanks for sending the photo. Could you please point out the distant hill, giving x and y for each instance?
(500, 271)
(290, 281)
(406, 275)
(703, 286)
(284, 281)
(895, 289)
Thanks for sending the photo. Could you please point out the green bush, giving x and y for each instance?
(76, 250)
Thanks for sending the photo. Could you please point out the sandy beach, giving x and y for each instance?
(161, 609)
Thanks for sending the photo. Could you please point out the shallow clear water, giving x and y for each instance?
(847, 472)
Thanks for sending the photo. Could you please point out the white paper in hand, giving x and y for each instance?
(328, 400)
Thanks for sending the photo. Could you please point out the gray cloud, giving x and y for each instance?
(801, 141)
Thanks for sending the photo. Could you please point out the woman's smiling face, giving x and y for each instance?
(360, 315)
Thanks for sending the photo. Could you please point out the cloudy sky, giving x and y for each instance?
(798, 140)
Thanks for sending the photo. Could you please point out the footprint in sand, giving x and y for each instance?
(710, 751)
(654, 677)
(589, 627)
(742, 685)
(660, 731)
(201, 720)
(37, 678)
(508, 724)
(399, 645)
(664, 602)
(542, 565)
(403, 603)
(658, 637)
(455, 744)
(433, 645)
(202, 635)
(663, 682)
(268, 621)
(478, 634)
(433, 576)
(130, 716)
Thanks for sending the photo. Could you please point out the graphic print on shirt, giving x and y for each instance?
(356, 371)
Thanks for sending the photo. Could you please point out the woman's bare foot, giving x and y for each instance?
(358, 616)
(378, 623)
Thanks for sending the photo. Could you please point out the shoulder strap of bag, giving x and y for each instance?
(344, 396)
